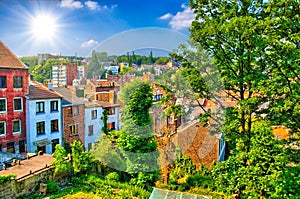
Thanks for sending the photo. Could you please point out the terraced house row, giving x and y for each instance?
(36, 117)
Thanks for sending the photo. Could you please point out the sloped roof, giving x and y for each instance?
(107, 104)
(39, 91)
(8, 59)
(69, 98)
(89, 104)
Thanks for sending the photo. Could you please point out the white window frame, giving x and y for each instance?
(20, 123)
(94, 114)
(55, 102)
(36, 107)
(5, 105)
(21, 104)
(4, 128)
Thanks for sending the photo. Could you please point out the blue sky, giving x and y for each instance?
(79, 26)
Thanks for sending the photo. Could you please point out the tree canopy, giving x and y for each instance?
(255, 48)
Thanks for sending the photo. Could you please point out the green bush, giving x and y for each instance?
(6, 178)
(199, 180)
(52, 187)
(113, 176)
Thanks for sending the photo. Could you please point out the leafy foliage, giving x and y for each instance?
(108, 154)
(52, 187)
(7, 178)
(136, 139)
(42, 73)
(78, 161)
(81, 159)
(254, 173)
(104, 118)
(59, 162)
(113, 176)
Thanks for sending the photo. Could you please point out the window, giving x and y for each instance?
(90, 146)
(91, 130)
(74, 129)
(40, 107)
(54, 106)
(3, 105)
(111, 126)
(22, 146)
(2, 128)
(111, 111)
(18, 104)
(94, 114)
(73, 111)
(11, 147)
(54, 143)
(16, 126)
(54, 125)
(2, 81)
(17, 82)
(40, 128)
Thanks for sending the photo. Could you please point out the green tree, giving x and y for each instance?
(162, 60)
(42, 73)
(255, 173)
(30, 61)
(255, 47)
(136, 139)
(108, 153)
(61, 160)
(81, 159)
(94, 67)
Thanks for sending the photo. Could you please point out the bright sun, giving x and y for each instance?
(43, 27)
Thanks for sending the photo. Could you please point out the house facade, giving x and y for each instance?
(73, 116)
(13, 88)
(102, 90)
(93, 123)
(113, 111)
(44, 118)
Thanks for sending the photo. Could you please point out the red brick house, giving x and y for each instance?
(73, 110)
(13, 88)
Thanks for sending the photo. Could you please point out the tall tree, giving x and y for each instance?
(136, 138)
(255, 46)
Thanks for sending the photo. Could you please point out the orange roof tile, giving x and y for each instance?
(39, 91)
(8, 58)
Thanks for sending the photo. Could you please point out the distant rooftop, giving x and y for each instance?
(69, 98)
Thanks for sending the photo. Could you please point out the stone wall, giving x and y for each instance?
(26, 185)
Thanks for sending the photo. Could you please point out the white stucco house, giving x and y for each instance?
(44, 118)
(92, 123)
(113, 114)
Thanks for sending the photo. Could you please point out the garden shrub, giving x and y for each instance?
(6, 178)
(113, 176)
(52, 187)
(199, 180)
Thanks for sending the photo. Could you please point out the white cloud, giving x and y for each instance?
(105, 7)
(166, 16)
(71, 4)
(89, 44)
(92, 5)
(182, 19)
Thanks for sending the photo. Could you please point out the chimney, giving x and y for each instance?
(50, 86)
